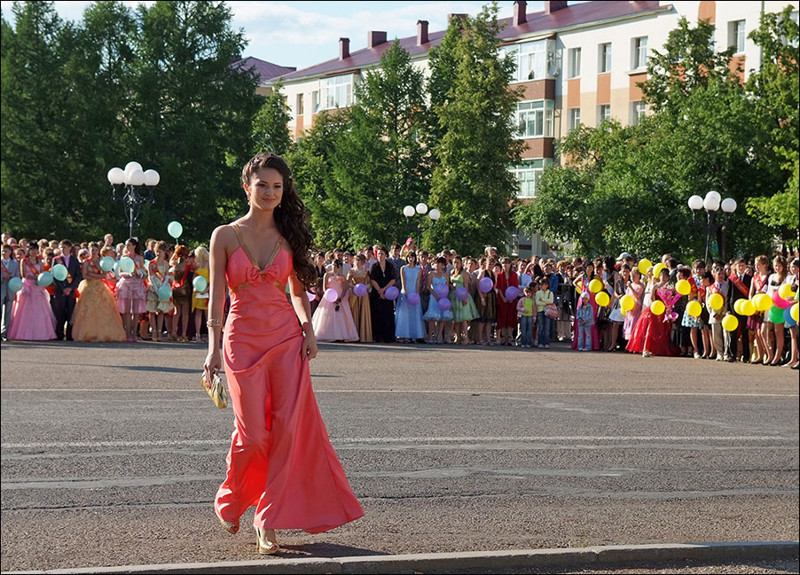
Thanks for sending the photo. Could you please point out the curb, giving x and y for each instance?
(475, 560)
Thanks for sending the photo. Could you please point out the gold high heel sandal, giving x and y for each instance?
(231, 527)
(265, 546)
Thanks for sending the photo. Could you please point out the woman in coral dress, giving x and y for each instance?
(281, 460)
(96, 317)
(359, 304)
(333, 320)
(32, 317)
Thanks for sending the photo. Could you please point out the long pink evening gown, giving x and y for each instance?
(281, 459)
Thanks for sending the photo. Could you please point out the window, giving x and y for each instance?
(535, 119)
(638, 110)
(603, 113)
(574, 119)
(530, 59)
(574, 59)
(604, 65)
(528, 174)
(315, 102)
(736, 35)
(337, 92)
(640, 52)
(300, 106)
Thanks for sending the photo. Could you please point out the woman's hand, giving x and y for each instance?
(309, 347)
(212, 364)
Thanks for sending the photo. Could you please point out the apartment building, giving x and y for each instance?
(576, 64)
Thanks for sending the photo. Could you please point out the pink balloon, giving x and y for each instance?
(779, 301)
(413, 298)
(331, 295)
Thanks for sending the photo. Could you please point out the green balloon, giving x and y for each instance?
(200, 283)
(175, 229)
(164, 292)
(107, 264)
(59, 272)
(127, 265)
(776, 315)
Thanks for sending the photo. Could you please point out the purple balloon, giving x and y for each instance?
(485, 285)
(413, 298)
(360, 290)
(461, 293)
(511, 292)
(331, 295)
(441, 290)
(311, 295)
(391, 293)
(443, 304)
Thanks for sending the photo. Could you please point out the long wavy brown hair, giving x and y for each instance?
(291, 217)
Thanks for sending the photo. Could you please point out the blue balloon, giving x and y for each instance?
(164, 292)
(15, 284)
(45, 279)
(787, 317)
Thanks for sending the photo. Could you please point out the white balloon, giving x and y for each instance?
(408, 211)
(421, 208)
(136, 178)
(695, 203)
(116, 176)
(435, 214)
(151, 178)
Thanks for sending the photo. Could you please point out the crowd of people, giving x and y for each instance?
(408, 295)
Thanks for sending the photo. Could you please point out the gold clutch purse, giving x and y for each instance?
(216, 391)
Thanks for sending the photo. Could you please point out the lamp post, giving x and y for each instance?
(421, 209)
(133, 181)
(712, 204)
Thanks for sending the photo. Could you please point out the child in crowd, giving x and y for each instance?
(585, 317)
(526, 312)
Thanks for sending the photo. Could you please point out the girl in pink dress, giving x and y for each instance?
(635, 289)
(281, 460)
(32, 318)
(333, 320)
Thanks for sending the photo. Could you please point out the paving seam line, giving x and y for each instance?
(433, 562)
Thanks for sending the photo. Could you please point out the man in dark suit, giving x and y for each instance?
(66, 290)
(740, 289)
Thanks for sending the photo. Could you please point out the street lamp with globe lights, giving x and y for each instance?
(712, 204)
(133, 180)
(420, 209)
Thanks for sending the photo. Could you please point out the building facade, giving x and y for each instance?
(576, 64)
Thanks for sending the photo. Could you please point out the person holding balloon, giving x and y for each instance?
(718, 304)
(358, 277)
(439, 311)
(65, 292)
(773, 317)
(409, 326)
(159, 291)
(181, 270)
(651, 336)
(131, 289)
(382, 277)
(582, 282)
(333, 320)
(790, 312)
(759, 338)
(200, 290)
(507, 302)
(32, 317)
(9, 267)
(95, 317)
(631, 302)
(461, 303)
(486, 301)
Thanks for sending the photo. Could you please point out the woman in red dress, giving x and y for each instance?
(280, 460)
(651, 336)
(506, 307)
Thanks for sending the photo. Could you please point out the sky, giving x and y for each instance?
(301, 34)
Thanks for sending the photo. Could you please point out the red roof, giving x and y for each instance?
(537, 22)
(265, 71)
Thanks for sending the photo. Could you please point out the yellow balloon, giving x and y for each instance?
(595, 285)
(658, 268)
(643, 265)
(763, 302)
(657, 307)
(627, 302)
(602, 299)
(683, 287)
(579, 287)
(748, 307)
(795, 312)
(694, 308)
(729, 322)
(785, 291)
(715, 301)
(737, 306)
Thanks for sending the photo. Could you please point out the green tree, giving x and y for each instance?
(381, 164)
(270, 126)
(471, 184)
(776, 91)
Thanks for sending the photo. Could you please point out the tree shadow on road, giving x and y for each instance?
(329, 550)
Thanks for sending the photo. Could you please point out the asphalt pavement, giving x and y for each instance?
(465, 459)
